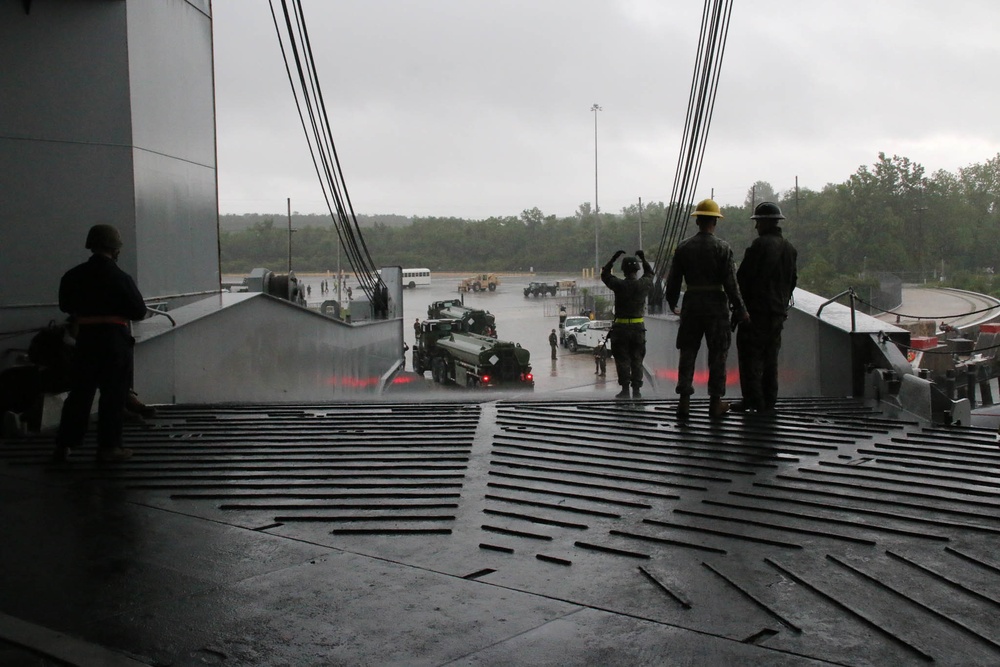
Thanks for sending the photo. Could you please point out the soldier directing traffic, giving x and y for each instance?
(628, 331)
(767, 276)
(705, 263)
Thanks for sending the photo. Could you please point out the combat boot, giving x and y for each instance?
(717, 407)
(684, 407)
(623, 394)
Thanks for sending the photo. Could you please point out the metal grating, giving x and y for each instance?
(832, 532)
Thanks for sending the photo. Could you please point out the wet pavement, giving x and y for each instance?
(523, 320)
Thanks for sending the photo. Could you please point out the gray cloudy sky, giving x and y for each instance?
(476, 108)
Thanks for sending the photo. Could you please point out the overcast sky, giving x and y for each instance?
(479, 108)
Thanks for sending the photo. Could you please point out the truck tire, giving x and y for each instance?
(493, 287)
(571, 344)
(417, 368)
(476, 287)
(436, 369)
(411, 284)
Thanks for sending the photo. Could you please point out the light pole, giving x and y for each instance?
(640, 223)
(597, 208)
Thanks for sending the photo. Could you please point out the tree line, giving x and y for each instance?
(887, 217)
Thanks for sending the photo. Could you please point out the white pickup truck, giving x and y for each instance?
(588, 334)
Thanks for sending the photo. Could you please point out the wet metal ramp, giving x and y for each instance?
(831, 532)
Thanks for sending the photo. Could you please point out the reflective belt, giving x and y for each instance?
(704, 288)
(628, 320)
(102, 319)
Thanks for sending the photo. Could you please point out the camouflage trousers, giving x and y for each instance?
(628, 347)
(708, 319)
(757, 344)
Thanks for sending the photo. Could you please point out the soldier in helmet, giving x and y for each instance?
(628, 331)
(102, 300)
(705, 263)
(767, 276)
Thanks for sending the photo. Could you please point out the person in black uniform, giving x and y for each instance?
(628, 331)
(102, 300)
(553, 342)
(705, 263)
(767, 276)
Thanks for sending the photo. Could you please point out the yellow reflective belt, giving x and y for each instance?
(628, 320)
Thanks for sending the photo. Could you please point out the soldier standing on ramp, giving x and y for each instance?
(628, 331)
(102, 299)
(766, 277)
(705, 263)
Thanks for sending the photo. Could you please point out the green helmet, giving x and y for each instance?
(767, 210)
(104, 237)
(630, 265)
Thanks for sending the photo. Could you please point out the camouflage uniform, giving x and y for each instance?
(705, 263)
(628, 332)
(766, 278)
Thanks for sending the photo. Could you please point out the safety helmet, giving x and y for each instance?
(104, 237)
(707, 207)
(767, 210)
(630, 265)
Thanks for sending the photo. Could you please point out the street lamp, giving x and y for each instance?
(597, 208)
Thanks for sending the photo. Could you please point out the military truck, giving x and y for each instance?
(469, 360)
(473, 321)
(480, 283)
(426, 349)
(475, 361)
(541, 289)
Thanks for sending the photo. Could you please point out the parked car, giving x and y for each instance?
(589, 334)
(571, 323)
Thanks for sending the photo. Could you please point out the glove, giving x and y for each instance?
(617, 254)
(640, 254)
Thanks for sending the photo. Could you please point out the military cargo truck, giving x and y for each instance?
(469, 360)
(473, 321)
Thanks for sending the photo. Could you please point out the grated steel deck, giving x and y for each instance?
(832, 532)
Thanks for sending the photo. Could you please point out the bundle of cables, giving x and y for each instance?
(293, 37)
(701, 103)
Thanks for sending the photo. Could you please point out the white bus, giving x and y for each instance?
(416, 278)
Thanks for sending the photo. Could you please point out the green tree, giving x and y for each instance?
(758, 192)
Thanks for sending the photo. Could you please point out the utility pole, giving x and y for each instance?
(796, 199)
(290, 230)
(640, 223)
(597, 208)
(919, 210)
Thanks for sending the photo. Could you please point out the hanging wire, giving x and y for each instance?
(293, 39)
(716, 15)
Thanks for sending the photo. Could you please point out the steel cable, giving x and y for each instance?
(716, 16)
(309, 101)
